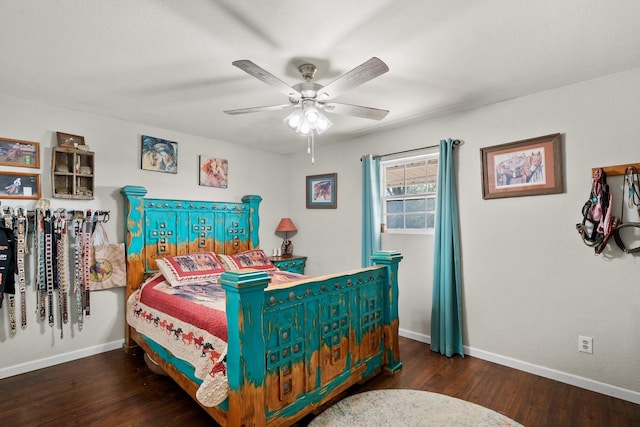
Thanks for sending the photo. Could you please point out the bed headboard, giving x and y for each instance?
(156, 228)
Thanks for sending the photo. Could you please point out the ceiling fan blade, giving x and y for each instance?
(259, 109)
(356, 110)
(262, 74)
(359, 75)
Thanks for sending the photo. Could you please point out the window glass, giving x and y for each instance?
(409, 196)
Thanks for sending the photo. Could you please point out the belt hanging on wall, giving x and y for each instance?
(49, 263)
(9, 269)
(60, 234)
(21, 248)
(78, 286)
(41, 279)
(86, 261)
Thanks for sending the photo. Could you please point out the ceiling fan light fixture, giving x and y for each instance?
(307, 119)
(323, 124)
(294, 120)
(305, 128)
(312, 114)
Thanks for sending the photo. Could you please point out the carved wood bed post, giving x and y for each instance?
(246, 350)
(133, 212)
(254, 220)
(391, 354)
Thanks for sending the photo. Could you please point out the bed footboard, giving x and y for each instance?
(317, 338)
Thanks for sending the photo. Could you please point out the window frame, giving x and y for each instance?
(423, 196)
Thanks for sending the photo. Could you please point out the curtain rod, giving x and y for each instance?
(456, 142)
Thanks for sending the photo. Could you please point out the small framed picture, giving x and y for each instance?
(522, 168)
(322, 191)
(67, 140)
(213, 172)
(159, 155)
(14, 185)
(24, 154)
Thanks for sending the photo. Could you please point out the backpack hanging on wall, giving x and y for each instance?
(598, 222)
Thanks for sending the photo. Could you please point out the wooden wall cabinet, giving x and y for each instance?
(72, 173)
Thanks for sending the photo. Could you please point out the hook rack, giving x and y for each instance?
(617, 170)
(71, 215)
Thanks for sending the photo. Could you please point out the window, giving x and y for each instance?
(409, 193)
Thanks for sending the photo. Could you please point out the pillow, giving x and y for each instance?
(227, 262)
(188, 269)
(255, 258)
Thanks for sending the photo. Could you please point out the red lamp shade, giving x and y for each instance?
(286, 226)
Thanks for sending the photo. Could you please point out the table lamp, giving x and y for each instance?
(286, 226)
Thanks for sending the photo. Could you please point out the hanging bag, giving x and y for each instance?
(107, 266)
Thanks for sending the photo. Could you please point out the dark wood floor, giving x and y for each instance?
(117, 389)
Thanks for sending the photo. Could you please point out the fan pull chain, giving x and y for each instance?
(311, 147)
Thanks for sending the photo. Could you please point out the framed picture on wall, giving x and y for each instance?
(66, 140)
(213, 172)
(322, 191)
(24, 154)
(522, 168)
(15, 185)
(159, 155)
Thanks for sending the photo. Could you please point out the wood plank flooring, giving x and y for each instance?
(117, 389)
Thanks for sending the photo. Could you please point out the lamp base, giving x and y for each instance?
(287, 249)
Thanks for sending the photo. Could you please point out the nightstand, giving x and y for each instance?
(292, 264)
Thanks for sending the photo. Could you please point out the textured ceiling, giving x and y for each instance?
(168, 63)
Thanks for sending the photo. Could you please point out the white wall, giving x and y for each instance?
(530, 286)
(117, 156)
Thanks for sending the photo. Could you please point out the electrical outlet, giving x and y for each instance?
(585, 344)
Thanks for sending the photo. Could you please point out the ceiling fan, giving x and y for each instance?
(308, 98)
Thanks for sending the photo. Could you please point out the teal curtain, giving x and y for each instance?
(446, 311)
(371, 208)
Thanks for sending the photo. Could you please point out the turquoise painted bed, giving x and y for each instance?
(290, 349)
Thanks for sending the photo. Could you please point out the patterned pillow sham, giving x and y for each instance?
(254, 258)
(188, 269)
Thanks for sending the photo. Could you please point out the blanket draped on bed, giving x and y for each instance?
(190, 322)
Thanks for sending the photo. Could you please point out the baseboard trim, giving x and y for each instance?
(58, 359)
(563, 377)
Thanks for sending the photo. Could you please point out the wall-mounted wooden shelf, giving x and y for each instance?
(72, 173)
